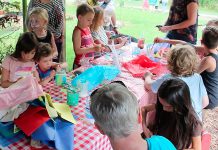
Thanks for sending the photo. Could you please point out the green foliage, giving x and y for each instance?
(213, 4)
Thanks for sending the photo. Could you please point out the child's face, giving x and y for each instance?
(28, 56)
(37, 22)
(166, 107)
(45, 63)
(86, 20)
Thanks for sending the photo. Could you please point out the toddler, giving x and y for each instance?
(46, 68)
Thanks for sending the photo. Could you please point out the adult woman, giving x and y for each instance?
(182, 21)
(55, 9)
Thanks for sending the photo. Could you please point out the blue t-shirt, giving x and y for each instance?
(196, 87)
(156, 142)
(44, 74)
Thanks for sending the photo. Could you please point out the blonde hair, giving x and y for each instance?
(182, 60)
(99, 14)
(40, 12)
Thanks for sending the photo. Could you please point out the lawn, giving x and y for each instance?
(132, 20)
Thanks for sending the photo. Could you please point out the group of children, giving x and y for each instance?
(182, 94)
(34, 53)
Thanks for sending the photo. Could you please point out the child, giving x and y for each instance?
(182, 63)
(37, 23)
(20, 63)
(83, 43)
(175, 117)
(208, 66)
(45, 67)
(98, 32)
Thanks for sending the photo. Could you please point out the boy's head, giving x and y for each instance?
(210, 37)
(44, 56)
(37, 18)
(213, 23)
(98, 19)
(85, 14)
(182, 60)
(115, 110)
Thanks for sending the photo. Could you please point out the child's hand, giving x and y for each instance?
(97, 48)
(158, 40)
(148, 74)
(53, 73)
(165, 29)
(63, 65)
(124, 40)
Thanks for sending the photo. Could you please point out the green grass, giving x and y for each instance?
(132, 21)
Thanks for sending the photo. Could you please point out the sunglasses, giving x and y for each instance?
(119, 82)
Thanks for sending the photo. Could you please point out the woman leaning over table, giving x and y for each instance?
(55, 9)
(182, 21)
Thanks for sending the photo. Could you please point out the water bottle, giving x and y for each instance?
(61, 77)
(115, 56)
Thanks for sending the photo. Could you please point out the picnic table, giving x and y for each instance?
(86, 136)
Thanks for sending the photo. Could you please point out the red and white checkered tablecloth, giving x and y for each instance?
(86, 136)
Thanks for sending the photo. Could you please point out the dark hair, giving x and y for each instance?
(83, 9)
(210, 37)
(43, 50)
(180, 123)
(26, 43)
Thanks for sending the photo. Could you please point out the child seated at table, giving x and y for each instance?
(20, 63)
(83, 43)
(175, 117)
(46, 68)
(37, 22)
(183, 63)
(208, 66)
(99, 34)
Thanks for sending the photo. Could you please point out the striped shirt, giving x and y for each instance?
(101, 35)
(55, 9)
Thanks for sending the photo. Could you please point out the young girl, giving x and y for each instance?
(208, 66)
(45, 67)
(175, 117)
(99, 34)
(83, 43)
(20, 63)
(37, 23)
(182, 63)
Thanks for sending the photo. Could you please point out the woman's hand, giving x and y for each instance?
(165, 29)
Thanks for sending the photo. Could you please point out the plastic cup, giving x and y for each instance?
(60, 79)
(72, 98)
(82, 85)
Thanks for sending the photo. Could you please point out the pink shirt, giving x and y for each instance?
(17, 68)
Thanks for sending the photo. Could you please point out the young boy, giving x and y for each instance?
(83, 43)
(45, 67)
(208, 66)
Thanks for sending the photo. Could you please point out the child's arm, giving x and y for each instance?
(196, 143)
(77, 44)
(205, 101)
(121, 43)
(54, 47)
(5, 83)
(47, 79)
(144, 112)
(208, 63)
(148, 80)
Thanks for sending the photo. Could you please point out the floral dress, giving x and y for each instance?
(178, 13)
